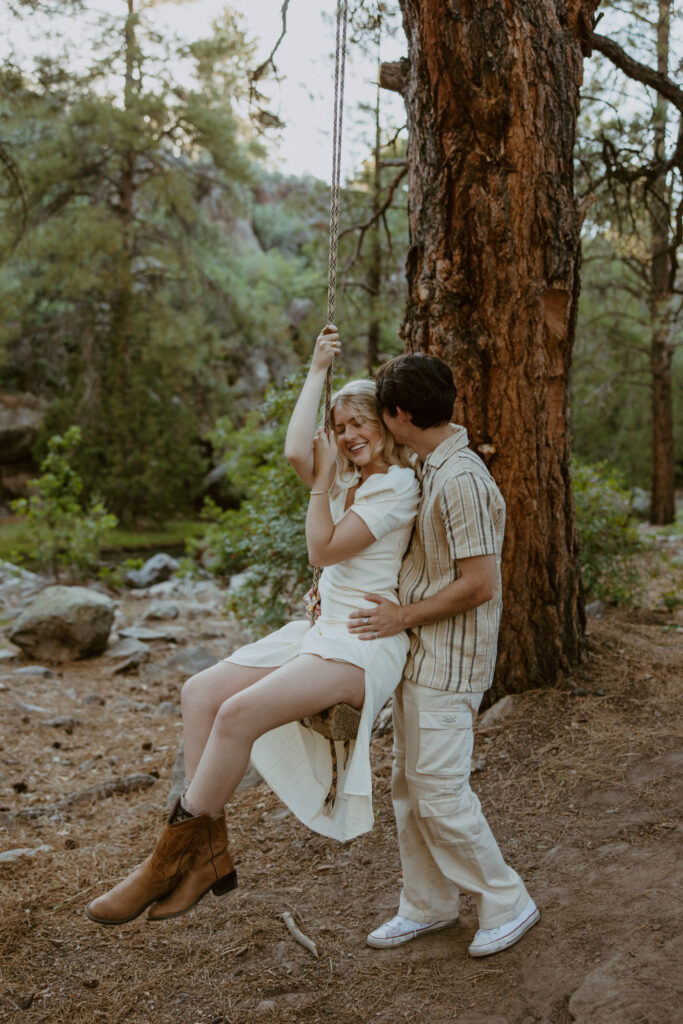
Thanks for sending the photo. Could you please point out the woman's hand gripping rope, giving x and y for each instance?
(386, 619)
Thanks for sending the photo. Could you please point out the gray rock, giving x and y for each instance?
(17, 584)
(10, 856)
(129, 647)
(155, 570)
(191, 660)
(64, 624)
(34, 670)
(595, 609)
(7, 655)
(144, 633)
(250, 778)
(93, 699)
(33, 709)
(493, 719)
(65, 722)
(167, 707)
(20, 419)
(162, 610)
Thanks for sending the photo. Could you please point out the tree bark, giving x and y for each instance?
(493, 277)
(663, 504)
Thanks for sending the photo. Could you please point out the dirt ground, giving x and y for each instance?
(580, 785)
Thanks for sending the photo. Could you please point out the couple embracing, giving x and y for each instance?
(407, 523)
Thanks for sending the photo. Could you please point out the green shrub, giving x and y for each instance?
(264, 537)
(607, 534)
(65, 536)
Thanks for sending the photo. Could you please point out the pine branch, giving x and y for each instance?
(376, 215)
(639, 72)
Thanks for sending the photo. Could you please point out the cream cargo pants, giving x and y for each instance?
(444, 839)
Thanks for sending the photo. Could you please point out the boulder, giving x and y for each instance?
(20, 420)
(155, 570)
(64, 624)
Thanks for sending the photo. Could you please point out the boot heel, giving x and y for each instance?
(225, 884)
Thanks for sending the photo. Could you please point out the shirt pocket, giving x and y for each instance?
(445, 743)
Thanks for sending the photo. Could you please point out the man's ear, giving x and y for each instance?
(402, 416)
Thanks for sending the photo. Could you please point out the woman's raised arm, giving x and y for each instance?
(302, 425)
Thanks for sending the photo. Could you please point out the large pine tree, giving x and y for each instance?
(492, 93)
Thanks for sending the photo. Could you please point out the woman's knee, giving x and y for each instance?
(197, 691)
(235, 717)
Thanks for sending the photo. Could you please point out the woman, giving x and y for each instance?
(363, 500)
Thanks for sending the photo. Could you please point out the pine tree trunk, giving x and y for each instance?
(492, 96)
(663, 506)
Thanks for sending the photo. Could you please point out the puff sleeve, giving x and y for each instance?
(387, 501)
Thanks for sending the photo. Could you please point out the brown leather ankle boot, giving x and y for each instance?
(211, 868)
(155, 877)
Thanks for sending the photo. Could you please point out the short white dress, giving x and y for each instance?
(296, 762)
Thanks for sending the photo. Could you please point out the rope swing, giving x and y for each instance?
(340, 722)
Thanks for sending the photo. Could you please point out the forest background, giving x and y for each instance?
(159, 278)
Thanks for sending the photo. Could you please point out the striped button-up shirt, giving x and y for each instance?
(462, 514)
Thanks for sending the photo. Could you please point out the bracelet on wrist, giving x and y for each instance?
(319, 492)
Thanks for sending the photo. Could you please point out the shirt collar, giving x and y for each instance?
(450, 446)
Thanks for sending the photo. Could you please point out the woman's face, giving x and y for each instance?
(356, 438)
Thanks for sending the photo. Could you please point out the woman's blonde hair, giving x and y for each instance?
(358, 396)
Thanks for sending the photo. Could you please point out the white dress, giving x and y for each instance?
(295, 761)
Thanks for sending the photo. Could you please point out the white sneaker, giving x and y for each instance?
(492, 940)
(402, 929)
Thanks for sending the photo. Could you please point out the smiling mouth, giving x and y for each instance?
(354, 449)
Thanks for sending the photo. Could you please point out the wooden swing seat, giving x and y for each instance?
(338, 723)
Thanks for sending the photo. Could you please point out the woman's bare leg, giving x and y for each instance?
(302, 687)
(202, 696)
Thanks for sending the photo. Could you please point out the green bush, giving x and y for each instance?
(66, 535)
(264, 537)
(607, 534)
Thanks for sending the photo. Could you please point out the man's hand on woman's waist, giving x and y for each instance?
(372, 623)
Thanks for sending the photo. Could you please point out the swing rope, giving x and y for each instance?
(338, 723)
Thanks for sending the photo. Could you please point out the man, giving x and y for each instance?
(450, 595)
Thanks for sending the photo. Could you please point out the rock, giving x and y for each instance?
(34, 670)
(17, 584)
(625, 987)
(595, 609)
(93, 698)
(7, 655)
(35, 709)
(162, 610)
(64, 624)
(250, 778)
(10, 856)
(493, 719)
(143, 633)
(191, 660)
(64, 722)
(167, 707)
(20, 419)
(129, 650)
(155, 570)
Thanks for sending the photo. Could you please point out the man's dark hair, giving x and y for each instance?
(419, 384)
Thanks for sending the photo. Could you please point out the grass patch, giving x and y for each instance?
(15, 537)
